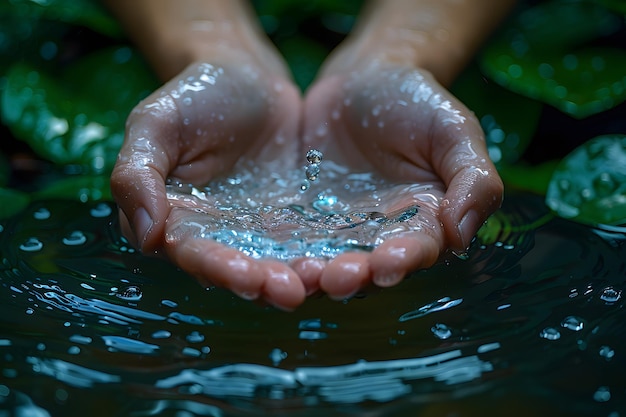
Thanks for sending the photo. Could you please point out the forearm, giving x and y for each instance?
(439, 36)
(174, 33)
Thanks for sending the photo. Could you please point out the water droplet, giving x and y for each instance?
(305, 185)
(311, 335)
(441, 331)
(277, 356)
(29, 311)
(75, 238)
(161, 334)
(32, 244)
(312, 172)
(101, 210)
(602, 394)
(195, 353)
(73, 350)
(606, 352)
(131, 293)
(313, 156)
(573, 323)
(169, 303)
(42, 214)
(550, 333)
(195, 337)
(187, 101)
(610, 295)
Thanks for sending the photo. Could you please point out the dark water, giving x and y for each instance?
(532, 324)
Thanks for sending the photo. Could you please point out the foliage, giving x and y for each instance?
(552, 55)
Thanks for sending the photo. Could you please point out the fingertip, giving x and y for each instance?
(282, 287)
(310, 272)
(345, 275)
(397, 257)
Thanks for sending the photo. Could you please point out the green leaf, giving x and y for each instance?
(521, 176)
(88, 13)
(543, 55)
(499, 111)
(304, 57)
(77, 116)
(81, 188)
(589, 184)
(13, 202)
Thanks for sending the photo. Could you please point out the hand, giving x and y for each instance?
(197, 127)
(398, 121)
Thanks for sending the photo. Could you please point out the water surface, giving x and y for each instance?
(533, 323)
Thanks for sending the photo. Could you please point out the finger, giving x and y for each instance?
(138, 178)
(345, 275)
(214, 264)
(310, 272)
(474, 188)
(395, 258)
(282, 287)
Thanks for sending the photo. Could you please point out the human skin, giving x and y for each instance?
(390, 71)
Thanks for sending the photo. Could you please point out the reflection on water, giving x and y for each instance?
(531, 324)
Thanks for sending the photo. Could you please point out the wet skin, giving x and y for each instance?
(396, 121)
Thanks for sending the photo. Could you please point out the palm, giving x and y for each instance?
(400, 123)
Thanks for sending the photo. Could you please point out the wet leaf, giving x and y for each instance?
(77, 116)
(589, 185)
(88, 13)
(545, 55)
(509, 120)
(13, 202)
(80, 188)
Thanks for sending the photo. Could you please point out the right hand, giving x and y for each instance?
(194, 129)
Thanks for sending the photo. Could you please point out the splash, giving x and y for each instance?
(262, 213)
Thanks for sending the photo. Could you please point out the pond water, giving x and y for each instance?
(532, 323)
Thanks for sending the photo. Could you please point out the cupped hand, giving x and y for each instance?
(195, 128)
(400, 122)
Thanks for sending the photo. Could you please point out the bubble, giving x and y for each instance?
(101, 210)
(131, 293)
(305, 185)
(312, 172)
(610, 295)
(573, 323)
(441, 331)
(32, 244)
(42, 214)
(313, 156)
(550, 333)
(75, 238)
(606, 352)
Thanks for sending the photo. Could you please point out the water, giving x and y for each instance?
(98, 329)
(265, 214)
